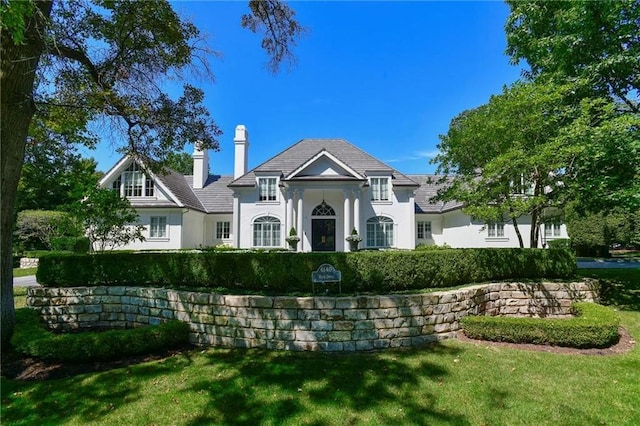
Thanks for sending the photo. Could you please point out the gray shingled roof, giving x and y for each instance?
(178, 185)
(428, 190)
(298, 154)
(216, 196)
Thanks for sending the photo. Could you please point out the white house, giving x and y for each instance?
(322, 188)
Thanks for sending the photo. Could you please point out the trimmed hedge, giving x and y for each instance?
(31, 338)
(594, 326)
(277, 272)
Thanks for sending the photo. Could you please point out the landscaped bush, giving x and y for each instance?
(276, 272)
(31, 338)
(560, 243)
(593, 326)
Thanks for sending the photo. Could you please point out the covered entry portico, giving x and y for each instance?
(324, 215)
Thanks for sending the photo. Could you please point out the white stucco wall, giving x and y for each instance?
(210, 230)
(193, 229)
(173, 240)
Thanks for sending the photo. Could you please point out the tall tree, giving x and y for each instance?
(505, 158)
(181, 162)
(108, 60)
(597, 42)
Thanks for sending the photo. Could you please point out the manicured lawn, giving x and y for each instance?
(24, 272)
(448, 383)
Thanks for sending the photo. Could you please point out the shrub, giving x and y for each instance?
(594, 326)
(31, 338)
(561, 243)
(284, 272)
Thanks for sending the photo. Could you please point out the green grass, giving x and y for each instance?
(24, 272)
(449, 383)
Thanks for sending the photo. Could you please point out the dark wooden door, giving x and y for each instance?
(323, 234)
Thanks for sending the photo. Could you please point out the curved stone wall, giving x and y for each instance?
(303, 323)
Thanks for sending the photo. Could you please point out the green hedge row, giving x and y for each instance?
(594, 326)
(377, 272)
(31, 338)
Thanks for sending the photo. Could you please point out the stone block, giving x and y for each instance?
(343, 325)
(364, 334)
(310, 336)
(301, 325)
(401, 322)
(383, 323)
(167, 313)
(93, 309)
(267, 324)
(116, 291)
(346, 303)
(364, 325)
(88, 317)
(321, 325)
(284, 324)
(339, 336)
(442, 308)
(284, 335)
(442, 328)
(383, 313)
(391, 301)
(348, 346)
(368, 302)
(261, 302)
(410, 311)
(237, 321)
(423, 340)
(332, 314)
(364, 345)
(307, 314)
(355, 314)
(382, 343)
(324, 302)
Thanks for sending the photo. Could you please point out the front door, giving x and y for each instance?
(323, 234)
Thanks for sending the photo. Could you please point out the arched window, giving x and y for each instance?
(323, 209)
(266, 232)
(379, 232)
(133, 182)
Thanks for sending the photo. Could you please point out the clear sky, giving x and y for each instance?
(387, 76)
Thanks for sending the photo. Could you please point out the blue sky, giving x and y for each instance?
(386, 76)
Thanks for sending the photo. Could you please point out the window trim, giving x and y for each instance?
(497, 229)
(165, 228)
(384, 224)
(426, 233)
(275, 233)
(378, 189)
(223, 230)
(267, 190)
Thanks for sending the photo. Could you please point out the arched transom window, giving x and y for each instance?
(379, 231)
(133, 182)
(266, 232)
(323, 209)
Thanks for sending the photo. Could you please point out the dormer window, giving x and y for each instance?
(267, 188)
(379, 189)
(133, 182)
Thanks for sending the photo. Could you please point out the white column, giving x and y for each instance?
(289, 223)
(299, 216)
(357, 221)
(412, 222)
(235, 223)
(347, 220)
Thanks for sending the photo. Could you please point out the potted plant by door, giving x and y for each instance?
(293, 239)
(354, 239)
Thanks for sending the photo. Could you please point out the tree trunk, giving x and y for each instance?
(515, 226)
(18, 64)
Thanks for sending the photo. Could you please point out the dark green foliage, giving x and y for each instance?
(594, 326)
(31, 338)
(561, 243)
(281, 272)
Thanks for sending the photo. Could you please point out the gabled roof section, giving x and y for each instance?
(294, 159)
(427, 190)
(339, 168)
(173, 184)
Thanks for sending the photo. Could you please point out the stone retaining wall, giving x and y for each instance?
(303, 323)
(29, 262)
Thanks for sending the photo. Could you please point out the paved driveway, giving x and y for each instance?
(608, 264)
(27, 281)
